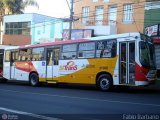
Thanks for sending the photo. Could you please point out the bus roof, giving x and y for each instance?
(55, 43)
(124, 35)
(115, 36)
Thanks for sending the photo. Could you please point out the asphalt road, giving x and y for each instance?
(21, 101)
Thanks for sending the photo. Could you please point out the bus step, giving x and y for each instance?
(53, 82)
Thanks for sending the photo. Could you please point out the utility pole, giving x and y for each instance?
(71, 18)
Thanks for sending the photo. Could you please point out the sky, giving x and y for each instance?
(53, 8)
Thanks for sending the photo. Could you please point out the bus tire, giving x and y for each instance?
(104, 82)
(3, 80)
(34, 79)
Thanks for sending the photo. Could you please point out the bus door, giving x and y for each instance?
(56, 53)
(49, 64)
(127, 63)
(52, 63)
(14, 56)
(7, 65)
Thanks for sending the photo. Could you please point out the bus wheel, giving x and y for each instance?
(3, 80)
(104, 82)
(33, 79)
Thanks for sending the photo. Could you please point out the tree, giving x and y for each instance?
(15, 6)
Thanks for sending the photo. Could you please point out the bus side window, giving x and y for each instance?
(101, 54)
(14, 56)
(37, 54)
(69, 52)
(24, 55)
(56, 55)
(86, 50)
(106, 49)
(50, 58)
(73, 56)
(113, 49)
(64, 57)
(7, 56)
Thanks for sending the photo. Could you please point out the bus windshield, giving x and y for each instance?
(147, 55)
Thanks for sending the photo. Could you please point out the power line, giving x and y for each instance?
(101, 14)
(68, 4)
(135, 24)
(111, 5)
(138, 21)
(106, 13)
(98, 14)
(77, 1)
(59, 20)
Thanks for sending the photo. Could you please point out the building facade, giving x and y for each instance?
(110, 16)
(152, 27)
(48, 31)
(33, 28)
(152, 13)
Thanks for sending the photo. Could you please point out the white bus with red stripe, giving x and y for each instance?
(123, 59)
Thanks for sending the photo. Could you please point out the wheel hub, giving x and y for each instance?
(104, 83)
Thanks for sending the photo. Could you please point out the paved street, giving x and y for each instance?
(73, 102)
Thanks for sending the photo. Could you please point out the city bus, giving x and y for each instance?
(105, 61)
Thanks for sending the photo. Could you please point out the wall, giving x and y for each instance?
(41, 31)
(152, 17)
(48, 31)
(17, 18)
(16, 40)
(21, 39)
(135, 26)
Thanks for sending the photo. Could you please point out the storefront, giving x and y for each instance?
(157, 54)
(154, 32)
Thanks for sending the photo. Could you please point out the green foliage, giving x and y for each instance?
(15, 6)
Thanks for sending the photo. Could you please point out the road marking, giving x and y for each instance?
(28, 114)
(91, 99)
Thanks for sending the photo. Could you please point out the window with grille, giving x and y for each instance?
(95, 0)
(99, 15)
(128, 13)
(106, 0)
(17, 28)
(112, 16)
(85, 15)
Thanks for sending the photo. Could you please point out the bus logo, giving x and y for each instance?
(70, 66)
